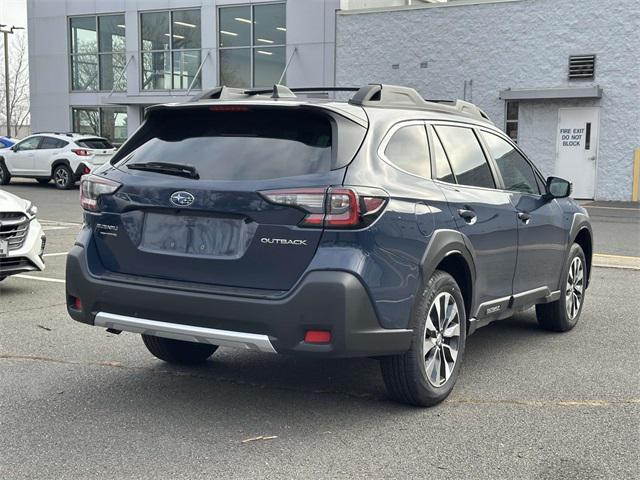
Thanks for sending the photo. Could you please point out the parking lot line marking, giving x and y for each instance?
(608, 255)
(59, 222)
(48, 228)
(40, 279)
(55, 254)
(612, 208)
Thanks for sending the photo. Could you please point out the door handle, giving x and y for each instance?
(469, 216)
(524, 216)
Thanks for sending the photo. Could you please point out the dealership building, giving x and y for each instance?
(562, 78)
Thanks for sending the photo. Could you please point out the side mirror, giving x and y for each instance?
(15, 147)
(557, 188)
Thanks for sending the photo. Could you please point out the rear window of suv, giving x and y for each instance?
(95, 143)
(237, 144)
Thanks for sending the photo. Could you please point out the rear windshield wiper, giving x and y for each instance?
(186, 171)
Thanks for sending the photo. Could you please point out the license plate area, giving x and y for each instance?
(196, 236)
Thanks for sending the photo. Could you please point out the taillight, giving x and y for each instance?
(81, 152)
(92, 187)
(334, 207)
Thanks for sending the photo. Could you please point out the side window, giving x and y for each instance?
(408, 150)
(29, 144)
(51, 143)
(466, 156)
(516, 172)
(441, 168)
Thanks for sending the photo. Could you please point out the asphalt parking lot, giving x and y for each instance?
(77, 402)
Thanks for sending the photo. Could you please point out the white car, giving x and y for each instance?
(63, 157)
(22, 239)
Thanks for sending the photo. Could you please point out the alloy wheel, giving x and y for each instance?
(441, 339)
(575, 287)
(62, 177)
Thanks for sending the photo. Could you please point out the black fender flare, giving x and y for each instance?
(579, 223)
(447, 242)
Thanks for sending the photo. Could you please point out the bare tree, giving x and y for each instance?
(18, 85)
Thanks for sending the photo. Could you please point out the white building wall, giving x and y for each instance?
(310, 32)
(510, 44)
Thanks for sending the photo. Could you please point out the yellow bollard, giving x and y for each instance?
(636, 176)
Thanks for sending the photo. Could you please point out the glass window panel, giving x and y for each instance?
(465, 154)
(516, 172)
(512, 110)
(84, 38)
(268, 66)
(30, 143)
(408, 150)
(235, 26)
(442, 169)
(112, 70)
(111, 33)
(156, 71)
(113, 124)
(185, 66)
(86, 121)
(186, 29)
(155, 30)
(235, 67)
(84, 72)
(269, 24)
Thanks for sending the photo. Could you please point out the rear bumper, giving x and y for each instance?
(323, 300)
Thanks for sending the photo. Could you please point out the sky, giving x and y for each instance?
(13, 12)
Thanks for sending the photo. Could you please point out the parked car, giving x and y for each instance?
(22, 239)
(61, 157)
(6, 142)
(386, 226)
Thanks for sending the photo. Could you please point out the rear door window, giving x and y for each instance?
(466, 156)
(95, 143)
(49, 143)
(239, 143)
(408, 150)
(516, 172)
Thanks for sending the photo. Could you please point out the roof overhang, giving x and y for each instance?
(551, 93)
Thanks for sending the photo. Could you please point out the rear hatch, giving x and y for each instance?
(218, 228)
(101, 148)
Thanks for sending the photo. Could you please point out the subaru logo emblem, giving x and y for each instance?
(181, 199)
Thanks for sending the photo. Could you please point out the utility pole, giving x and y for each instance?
(6, 30)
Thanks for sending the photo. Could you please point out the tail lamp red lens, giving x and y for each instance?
(317, 336)
(81, 152)
(333, 207)
(92, 187)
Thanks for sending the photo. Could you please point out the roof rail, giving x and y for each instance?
(379, 95)
(372, 95)
(68, 134)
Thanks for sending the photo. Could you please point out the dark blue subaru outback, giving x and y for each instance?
(385, 226)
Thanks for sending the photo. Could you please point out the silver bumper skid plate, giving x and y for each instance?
(189, 333)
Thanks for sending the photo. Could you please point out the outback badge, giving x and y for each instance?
(181, 199)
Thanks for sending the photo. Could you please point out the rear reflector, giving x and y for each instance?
(333, 207)
(76, 302)
(317, 336)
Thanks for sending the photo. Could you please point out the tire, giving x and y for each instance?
(563, 314)
(63, 177)
(414, 377)
(5, 176)
(177, 351)
(43, 181)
